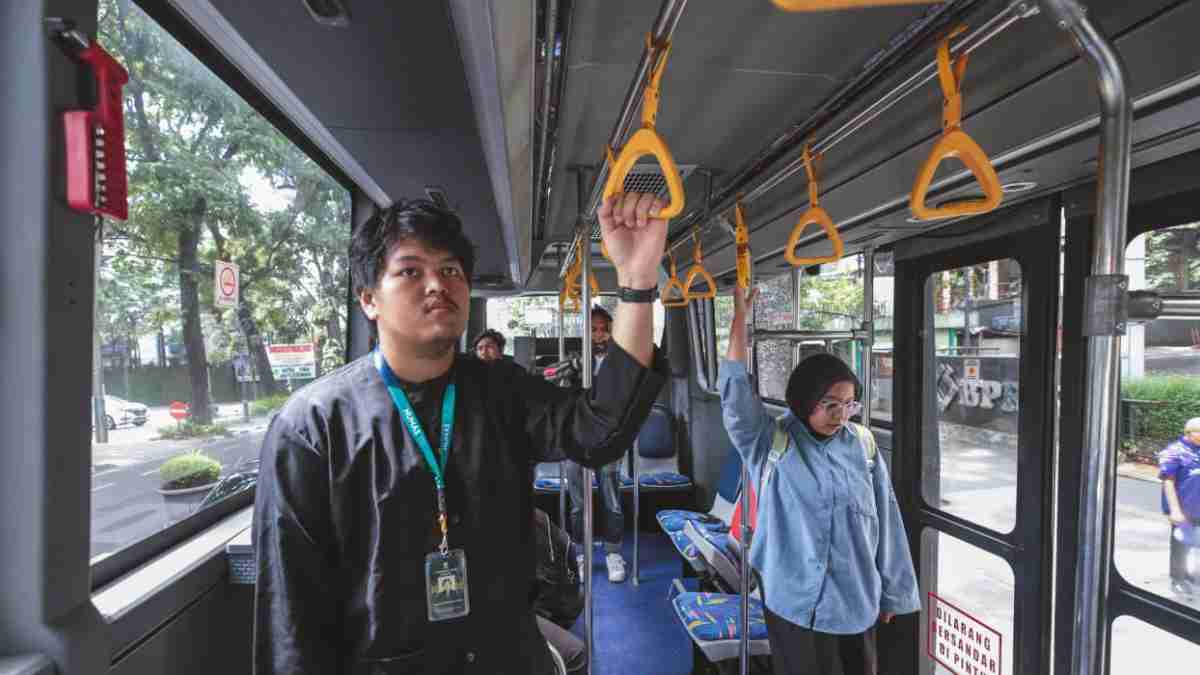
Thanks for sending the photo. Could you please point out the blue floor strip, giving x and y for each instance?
(636, 630)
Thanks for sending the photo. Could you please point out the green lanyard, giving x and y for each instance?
(409, 417)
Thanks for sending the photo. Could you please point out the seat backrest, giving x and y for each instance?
(656, 439)
(728, 485)
(716, 553)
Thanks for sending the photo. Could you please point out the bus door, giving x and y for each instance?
(976, 309)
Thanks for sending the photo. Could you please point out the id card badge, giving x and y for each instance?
(446, 585)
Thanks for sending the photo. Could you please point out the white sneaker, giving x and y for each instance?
(616, 567)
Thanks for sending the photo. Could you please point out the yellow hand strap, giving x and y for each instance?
(814, 214)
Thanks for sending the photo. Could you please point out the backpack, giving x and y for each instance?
(558, 596)
(779, 445)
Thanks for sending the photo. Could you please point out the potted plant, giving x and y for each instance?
(184, 480)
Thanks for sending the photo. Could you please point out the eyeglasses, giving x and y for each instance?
(834, 408)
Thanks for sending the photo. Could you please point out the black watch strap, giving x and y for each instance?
(626, 294)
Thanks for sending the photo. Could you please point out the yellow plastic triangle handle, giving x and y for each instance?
(741, 237)
(818, 215)
(680, 299)
(646, 141)
(830, 5)
(956, 143)
(700, 272)
(567, 303)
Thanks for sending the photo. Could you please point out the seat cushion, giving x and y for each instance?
(715, 616)
(673, 520)
(665, 479)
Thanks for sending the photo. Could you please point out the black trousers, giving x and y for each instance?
(800, 651)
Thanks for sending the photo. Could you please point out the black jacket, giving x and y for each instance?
(345, 515)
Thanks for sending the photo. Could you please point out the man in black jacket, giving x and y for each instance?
(393, 519)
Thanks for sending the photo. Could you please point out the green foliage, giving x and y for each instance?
(188, 470)
(192, 429)
(269, 404)
(1158, 424)
(1172, 258)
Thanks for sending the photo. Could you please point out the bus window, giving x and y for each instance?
(189, 381)
(883, 365)
(774, 309)
(975, 346)
(537, 316)
(1160, 392)
(1139, 647)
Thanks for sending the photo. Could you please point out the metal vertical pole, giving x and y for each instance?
(637, 502)
(562, 356)
(1104, 323)
(586, 315)
(747, 570)
(868, 343)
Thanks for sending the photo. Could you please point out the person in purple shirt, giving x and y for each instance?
(1179, 469)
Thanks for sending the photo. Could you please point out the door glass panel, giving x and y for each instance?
(972, 342)
(883, 367)
(1138, 647)
(1160, 392)
(967, 618)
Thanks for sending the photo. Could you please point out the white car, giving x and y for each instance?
(119, 411)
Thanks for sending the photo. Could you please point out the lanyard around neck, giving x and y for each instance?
(409, 416)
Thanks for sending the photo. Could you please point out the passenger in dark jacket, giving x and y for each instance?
(348, 515)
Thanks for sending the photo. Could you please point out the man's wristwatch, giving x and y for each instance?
(625, 294)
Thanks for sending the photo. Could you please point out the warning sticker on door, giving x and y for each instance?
(960, 642)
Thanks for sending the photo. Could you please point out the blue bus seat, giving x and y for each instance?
(658, 461)
(712, 621)
(721, 514)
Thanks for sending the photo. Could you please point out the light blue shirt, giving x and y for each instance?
(829, 543)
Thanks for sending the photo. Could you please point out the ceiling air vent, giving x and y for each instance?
(328, 12)
(647, 178)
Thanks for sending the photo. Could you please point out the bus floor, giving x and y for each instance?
(636, 629)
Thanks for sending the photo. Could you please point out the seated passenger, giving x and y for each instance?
(393, 521)
(489, 345)
(829, 543)
(1179, 469)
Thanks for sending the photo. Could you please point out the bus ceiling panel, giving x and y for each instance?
(736, 71)
(395, 66)
(1024, 133)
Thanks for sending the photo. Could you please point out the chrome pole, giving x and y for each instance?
(549, 43)
(586, 340)
(637, 502)
(868, 343)
(562, 356)
(744, 592)
(1104, 324)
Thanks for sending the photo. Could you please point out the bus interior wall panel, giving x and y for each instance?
(45, 321)
(202, 639)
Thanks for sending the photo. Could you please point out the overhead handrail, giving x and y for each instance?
(741, 237)
(674, 283)
(830, 5)
(699, 271)
(646, 141)
(814, 214)
(955, 143)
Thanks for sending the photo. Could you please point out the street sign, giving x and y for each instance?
(225, 290)
(971, 370)
(179, 410)
(293, 362)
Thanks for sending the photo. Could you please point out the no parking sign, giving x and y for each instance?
(225, 289)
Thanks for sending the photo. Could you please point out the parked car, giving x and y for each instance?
(118, 411)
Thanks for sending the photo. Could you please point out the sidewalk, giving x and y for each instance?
(1138, 471)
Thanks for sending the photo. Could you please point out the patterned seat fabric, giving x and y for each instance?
(664, 479)
(710, 617)
(685, 547)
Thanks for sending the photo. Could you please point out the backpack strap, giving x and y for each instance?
(867, 439)
(779, 445)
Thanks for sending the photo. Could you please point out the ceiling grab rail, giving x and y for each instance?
(813, 215)
(831, 5)
(741, 238)
(955, 142)
(698, 271)
(674, 283)
(646, 141)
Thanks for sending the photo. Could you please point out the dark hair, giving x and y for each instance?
(598, 311)
(490, 334)
(812, 377)
(419, 219)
